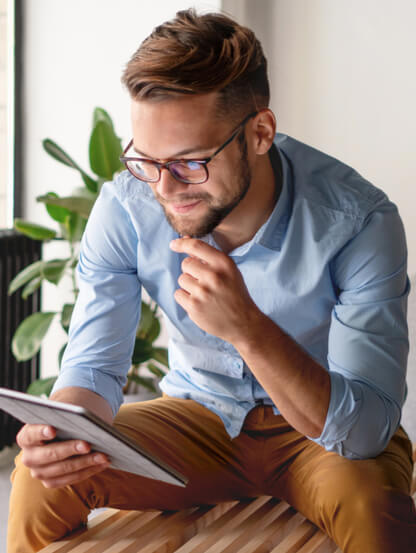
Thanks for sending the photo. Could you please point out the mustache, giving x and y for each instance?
(183, 198)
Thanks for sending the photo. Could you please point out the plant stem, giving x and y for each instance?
(74, 282)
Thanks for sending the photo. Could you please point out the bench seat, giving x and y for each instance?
(260, 525)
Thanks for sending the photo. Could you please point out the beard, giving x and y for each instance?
(218, 208)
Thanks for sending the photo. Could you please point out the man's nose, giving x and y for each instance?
(168, 186)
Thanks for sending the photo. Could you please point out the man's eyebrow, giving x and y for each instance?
(177, 155)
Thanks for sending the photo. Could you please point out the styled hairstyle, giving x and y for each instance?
(198, 54)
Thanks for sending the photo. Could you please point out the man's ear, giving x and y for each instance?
(264, 130)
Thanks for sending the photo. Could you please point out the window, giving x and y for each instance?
(9, 54)
(3, 113)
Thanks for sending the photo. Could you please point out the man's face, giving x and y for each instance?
(187, 128)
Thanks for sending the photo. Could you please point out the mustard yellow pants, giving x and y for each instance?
(363, 505)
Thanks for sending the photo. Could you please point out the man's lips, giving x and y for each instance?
(185, 206)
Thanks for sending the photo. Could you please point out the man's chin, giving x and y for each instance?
(195, 229)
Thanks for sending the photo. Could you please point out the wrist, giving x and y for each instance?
(250, 335)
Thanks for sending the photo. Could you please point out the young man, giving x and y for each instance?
(282, 275)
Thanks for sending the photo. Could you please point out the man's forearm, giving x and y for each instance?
(213, 293)
(298, 385)
(87, 399)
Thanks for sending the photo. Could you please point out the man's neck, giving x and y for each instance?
(244, 221)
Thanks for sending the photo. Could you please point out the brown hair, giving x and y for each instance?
(198, 54)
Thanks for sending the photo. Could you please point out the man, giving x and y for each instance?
(282, 275)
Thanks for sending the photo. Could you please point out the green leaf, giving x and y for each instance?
(90, 183)
(66, 315)
(101, 115)
(78, 204)
(147, 323)
(29, 335)
(142, 351)
(105, 150)
(54, 269)
(73, 263)
(57, 213)
(41, 387)
(154, 331)
(73, 227)
(61, 354)
(60, 155)
(160, 355)
(101, 181)
(30, 272)
(143, 381)
(157, 371)
(31, 287)
(33, 230)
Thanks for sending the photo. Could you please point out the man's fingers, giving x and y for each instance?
(69, 466)
(35, 434)
(196, 268)
(198, 248)
(188, 283)
(55, 452)
(73, 478)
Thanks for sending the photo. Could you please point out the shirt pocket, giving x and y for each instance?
(185, 356)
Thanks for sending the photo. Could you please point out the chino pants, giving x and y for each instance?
(363, 505)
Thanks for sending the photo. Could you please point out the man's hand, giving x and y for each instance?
(212, 291)
(57, 464)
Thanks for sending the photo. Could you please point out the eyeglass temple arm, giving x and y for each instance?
(237, 130)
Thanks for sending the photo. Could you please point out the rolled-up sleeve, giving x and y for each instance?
(368, 338)
(107, 310)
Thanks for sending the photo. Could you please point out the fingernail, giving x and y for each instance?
(47, 432)
(99, 459)
(81, 447)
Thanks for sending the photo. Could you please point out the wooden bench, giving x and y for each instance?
(260, 525)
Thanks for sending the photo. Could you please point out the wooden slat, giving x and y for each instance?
(413, 489)
(259, 525)
(297, 538)
(170, 535)
(274, 533)
(211, 534)
(319, 543)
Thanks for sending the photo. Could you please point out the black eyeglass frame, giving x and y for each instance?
(203, 162)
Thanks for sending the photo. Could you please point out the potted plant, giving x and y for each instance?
(71, 213)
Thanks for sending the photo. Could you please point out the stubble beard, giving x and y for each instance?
(218, 208)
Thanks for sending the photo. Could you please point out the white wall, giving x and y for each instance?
(342, 74)
(74, 55)
(343, 79)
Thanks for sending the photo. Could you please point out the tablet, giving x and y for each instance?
(74, 422)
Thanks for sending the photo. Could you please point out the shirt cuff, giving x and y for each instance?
(343, 412)
(107, 386)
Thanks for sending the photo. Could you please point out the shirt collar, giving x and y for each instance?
(272, 233)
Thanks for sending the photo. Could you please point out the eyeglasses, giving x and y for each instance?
(188, 171)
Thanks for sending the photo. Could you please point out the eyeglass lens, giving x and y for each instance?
(191, 172)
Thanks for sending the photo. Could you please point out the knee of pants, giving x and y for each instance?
(372, 504)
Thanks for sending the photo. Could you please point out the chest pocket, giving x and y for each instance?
(185, 356)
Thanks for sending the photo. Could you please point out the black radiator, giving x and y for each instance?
(16, 252)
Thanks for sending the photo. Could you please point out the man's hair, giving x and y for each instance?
(199, 54)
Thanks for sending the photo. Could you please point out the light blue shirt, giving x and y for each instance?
(328, 267)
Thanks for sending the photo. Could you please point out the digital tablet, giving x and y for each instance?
(74, 422)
